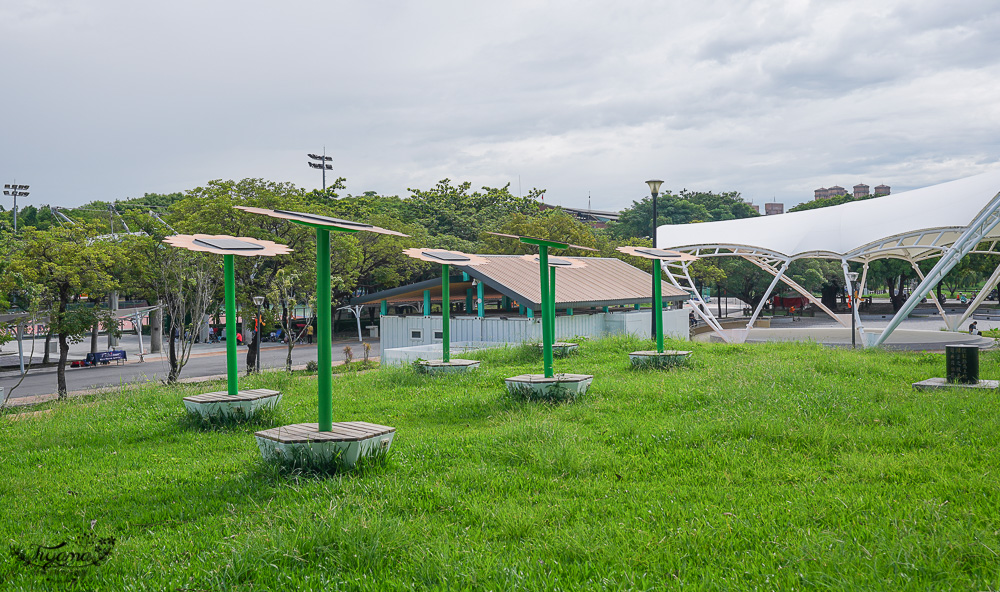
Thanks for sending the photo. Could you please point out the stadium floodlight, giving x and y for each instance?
(14, 190)
(322, 164)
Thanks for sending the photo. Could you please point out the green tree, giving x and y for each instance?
(684, 208)
(64, 263)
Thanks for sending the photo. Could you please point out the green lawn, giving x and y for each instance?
(783, 467)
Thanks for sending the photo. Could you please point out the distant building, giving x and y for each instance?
(860, 190)
(756, 208)
(774, 208)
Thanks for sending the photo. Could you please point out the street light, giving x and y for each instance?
(321, 165)
(852, 276)
(14, 190)
(654, 189)
(259, 301)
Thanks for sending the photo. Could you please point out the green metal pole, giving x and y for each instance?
(232, 372)
(324, 341)
(385, 308)
(552, 299)
(480, 304)
(445, 315)
(658, 305)
(530, 313)
(546, 303)
(427, 303)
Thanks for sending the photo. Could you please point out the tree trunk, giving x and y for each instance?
(48, 344)
(156, 330)
(61, 368)
(174, 370)
(93, 338)
(895, 286)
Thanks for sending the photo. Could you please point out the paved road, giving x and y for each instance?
(206, 360)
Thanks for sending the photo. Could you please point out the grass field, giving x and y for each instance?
(757, 467)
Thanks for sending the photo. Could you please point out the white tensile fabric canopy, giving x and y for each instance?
(944, 222)
(910, 225)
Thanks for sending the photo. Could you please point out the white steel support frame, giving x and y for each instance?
(944, 315)
(774, 282)
(978, 300)
(980, 227)
(679, 271)
(766, 266)
(356, 309)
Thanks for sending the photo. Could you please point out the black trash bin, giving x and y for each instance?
(962, 363)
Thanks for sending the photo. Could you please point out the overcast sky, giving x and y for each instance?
(110, 99)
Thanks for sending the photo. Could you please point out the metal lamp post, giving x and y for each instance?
(852, 276)
(259, 301)
(654, 190)
(14, 190)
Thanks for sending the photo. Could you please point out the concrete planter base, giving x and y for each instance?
(655, 359)
(560, 348)
(933, 384)
(449, 367)
(222, 405)
(302, 445)
(561, 387)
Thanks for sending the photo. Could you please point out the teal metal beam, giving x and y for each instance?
(385, 307)
(480, 305)
(427, 303)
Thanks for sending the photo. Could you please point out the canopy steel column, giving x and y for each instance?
(698, 305)
(978, 300)
(759, 262)
(767, 294)
(976, 231)
(944, 315)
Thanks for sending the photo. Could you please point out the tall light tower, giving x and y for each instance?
(15, 191)
(322, 164)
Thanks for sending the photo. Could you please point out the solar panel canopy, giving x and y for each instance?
(229, 244)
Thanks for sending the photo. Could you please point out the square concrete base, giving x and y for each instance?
(655, 359)
(561, 387)
(933, 384)
(442, 367)
(222, 405)
(560, 348)
(343, 445)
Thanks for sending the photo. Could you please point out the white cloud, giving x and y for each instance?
(770, 98)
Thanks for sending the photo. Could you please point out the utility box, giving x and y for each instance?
(962, 363)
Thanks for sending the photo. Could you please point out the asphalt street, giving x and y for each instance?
(206, 360)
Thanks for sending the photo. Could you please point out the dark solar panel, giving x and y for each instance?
(325, 219)
(228, 244)
(659, 253)
(450, 256)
